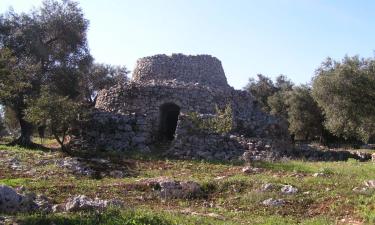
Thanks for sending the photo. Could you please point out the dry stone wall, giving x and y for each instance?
(192, 84)
(201, 69)
(105, 131)
(146, 98)
(192, 142)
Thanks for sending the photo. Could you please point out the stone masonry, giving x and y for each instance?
(164, 88)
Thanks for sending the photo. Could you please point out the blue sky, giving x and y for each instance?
(271, 37)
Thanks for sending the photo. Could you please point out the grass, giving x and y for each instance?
(115, 217)
(231, 197)
(14, 182)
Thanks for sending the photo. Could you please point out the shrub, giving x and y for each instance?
(221, 122)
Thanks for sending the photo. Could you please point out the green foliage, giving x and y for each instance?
(295, 105)
(57, 112)
(15, 79)
(45, 47)
(100, 76)
(222, 122)
(345, 91)
(304, 116)
(261, 89)
(277, 104)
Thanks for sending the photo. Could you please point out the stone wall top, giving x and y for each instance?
(203, 69)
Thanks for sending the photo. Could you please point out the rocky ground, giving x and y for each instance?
(47, 187)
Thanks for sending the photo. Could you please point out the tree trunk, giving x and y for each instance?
(26, 132)
(63, 147)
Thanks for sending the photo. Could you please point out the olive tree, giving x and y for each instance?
(47, 46)
(305, 118)
(100, 76)
(345, 91)
(261, 89)
(56, 112)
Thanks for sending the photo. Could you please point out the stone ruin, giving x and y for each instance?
(150, 113)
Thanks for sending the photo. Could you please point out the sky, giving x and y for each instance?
(271, 37)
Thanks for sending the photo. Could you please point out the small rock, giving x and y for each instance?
(220, 177)
(190, 189)
(84, 203)
(169, 189)
(289, 189)
(208, 204)
(116, 174)
(15, 164)
(76, 166)
(318, 175)
(360, 190)
(99, 160)
(246, 169)
(370, 183)
(373, 157)
(216, 216)
(273, 202)
(249, 169)
(58, 208)
(43, 203)
(267, 187)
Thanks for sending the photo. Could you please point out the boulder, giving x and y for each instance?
(13, 202)
(10, 200)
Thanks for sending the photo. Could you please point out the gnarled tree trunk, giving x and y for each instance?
(26, 131)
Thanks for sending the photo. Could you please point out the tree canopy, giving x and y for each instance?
(345, 91)
(304, 116)
(100, 76)
(45, 47)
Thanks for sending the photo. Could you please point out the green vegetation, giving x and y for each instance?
(47, 74)
(345, 92)
(47, 49)
(304, 116)
(115, 217)
(231, 197)
(221, 122)
(56, 112)
(338, 107)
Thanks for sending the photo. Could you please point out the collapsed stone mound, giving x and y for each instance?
(151, 107)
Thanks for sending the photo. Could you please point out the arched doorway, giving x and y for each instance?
(168, 121)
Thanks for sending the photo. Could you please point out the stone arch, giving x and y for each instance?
(168, 117)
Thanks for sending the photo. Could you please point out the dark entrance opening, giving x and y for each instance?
(168, 121)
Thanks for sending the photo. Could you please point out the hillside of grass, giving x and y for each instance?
(230, 196)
